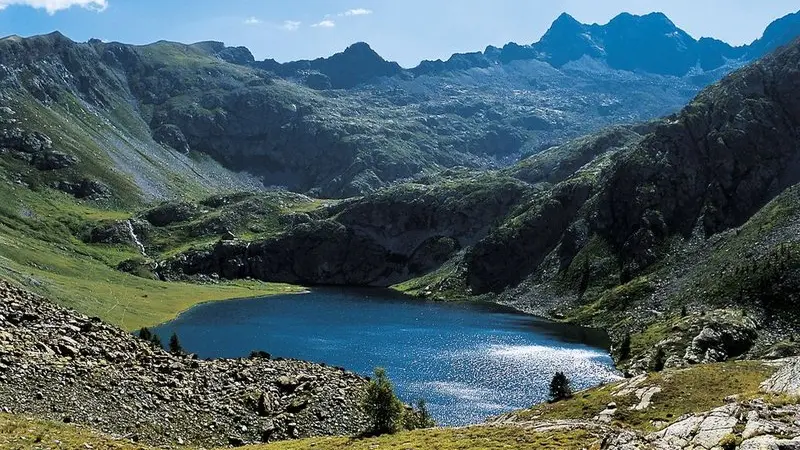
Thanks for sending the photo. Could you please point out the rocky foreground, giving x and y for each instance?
(653, 411)
(61, 365)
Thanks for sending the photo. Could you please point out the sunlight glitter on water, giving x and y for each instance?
(469, 361)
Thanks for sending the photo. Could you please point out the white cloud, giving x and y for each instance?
(252, 21)
(53, 6)
(290, 25)
(356, 12)
(327, 23)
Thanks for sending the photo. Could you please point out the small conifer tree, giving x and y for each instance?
(418, 417)
(382, 405)
(175, 345)
(145, 334)
(559, 387)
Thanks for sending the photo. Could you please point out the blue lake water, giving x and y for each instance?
(469, 361)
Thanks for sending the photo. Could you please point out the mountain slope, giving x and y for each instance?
(623, 229)
(137, 123)
(583, 230)
(90, 127)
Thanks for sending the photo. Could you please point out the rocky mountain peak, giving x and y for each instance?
(211, 47)
(564, 22)
(363, 56)
(362, 49)
(356, 64)
(651, 43)
(567, 40)
(654, 19)
(777, 33)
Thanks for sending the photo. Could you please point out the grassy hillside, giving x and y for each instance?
(40, 249)
(19, 433)
(683, 391)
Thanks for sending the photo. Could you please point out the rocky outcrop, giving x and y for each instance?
(63, 366)
(84, 189)
(716, 345)
(22, 141)
(170, 213)
(514, 250)
(786, 380)
(640, 415)
(118, 232)
(320, 252)
(752, 425)
(387, 237)
(171, 136)
(34, 148)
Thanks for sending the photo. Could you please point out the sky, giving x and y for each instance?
(405, 31)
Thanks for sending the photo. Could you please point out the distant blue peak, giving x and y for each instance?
(565, 18)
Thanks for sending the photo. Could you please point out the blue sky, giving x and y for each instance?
(405, 31)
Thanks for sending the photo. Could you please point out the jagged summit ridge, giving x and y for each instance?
(650, 43)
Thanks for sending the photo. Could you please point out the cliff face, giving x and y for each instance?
(712, 166)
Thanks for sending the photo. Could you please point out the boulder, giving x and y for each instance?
(170, 213)
(53, 160)
(171, 136)
(85, 188)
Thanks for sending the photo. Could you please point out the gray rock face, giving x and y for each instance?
(118, 232)
(699, 431)
(387, 237)
(34, 148)
(61, 365)
(513, 251)
(720, 341)
(786, 380)
(25, 141)
(715, 337)
(322, 252)
(52, 160)
(698, 169)
(85, 188)
(171, 212)
(171, 136)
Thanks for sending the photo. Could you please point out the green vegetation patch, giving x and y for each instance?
(475, 437)
(39, 249)
(20, 433)
(249, 216)
(614, 301)
(683, 391)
